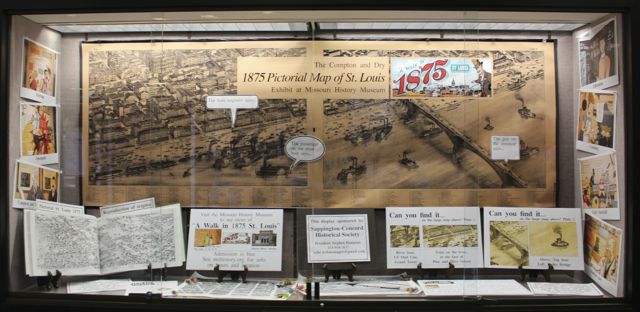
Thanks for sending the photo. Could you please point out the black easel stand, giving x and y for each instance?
(235, 275)
(50, 280)
(151, 274)
(337, 269)
(534, 273)
(433, 273)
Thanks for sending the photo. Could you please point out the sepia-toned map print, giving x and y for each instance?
(405, 236)
(553, 239)
(509, 243)
(459, 235)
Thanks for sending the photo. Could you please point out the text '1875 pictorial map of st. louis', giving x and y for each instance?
(403, 123)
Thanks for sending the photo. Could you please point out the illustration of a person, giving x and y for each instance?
(604, 63)
(46, 82)
(484, 78)
(45, 132)
(34, 192)
(585, 121)
(35, 130)
(32, 81)
(585, 197)
(53, 194)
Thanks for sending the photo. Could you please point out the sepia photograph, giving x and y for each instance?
(459, 235)
(239, 238)
(599, 183)
(509, 243)
(39, 132)
(39, 72)
(547, 239)
(596, 121)
(264, 238)
(602, 248)
(405, 236)
(598, 56)
(34, 182)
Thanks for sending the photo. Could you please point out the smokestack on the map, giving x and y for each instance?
(519, 98)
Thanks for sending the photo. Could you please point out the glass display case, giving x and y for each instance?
(289, 158)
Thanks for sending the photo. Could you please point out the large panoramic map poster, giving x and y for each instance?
(403, 123)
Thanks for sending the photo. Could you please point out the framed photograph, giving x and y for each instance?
(39, 72)
(602, 253)
(598, 56)
(32, 182)
(599, 185)
(596, 121)
(39, 133)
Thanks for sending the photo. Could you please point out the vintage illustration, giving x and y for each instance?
(553, 239)
(34, 182)
(602, 252)
(596, 121)
(599, 185)
(135, 239)
(598, 56)
(207, 237)
(368, 141)
(61, 241)
(38, 132)
(509, 243)
(459, 235)
(147, 130)
(405, 236)
(39, 72)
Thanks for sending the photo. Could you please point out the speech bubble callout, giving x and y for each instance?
(304, 148)
(232, 102)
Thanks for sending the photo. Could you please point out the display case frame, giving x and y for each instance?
(630, 11)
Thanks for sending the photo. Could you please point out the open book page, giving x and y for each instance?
(133, 240)
(67, 242)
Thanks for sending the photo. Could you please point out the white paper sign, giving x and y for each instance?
(337, 238)
(128, 206)
(233, 238)
(232, 102)
(447, 288)
(533, 238)
(155, 287)
(98, 286)
(59, 207)
(434, 237)
(564, 289)
(505, 147)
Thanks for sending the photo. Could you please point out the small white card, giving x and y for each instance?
(155, 287)
(564, 289)
(128, 206)
(98, 286)
(505, 147)
(337, 238)
(59, 207)
(448, 288)
(434, 237)
(233, 238)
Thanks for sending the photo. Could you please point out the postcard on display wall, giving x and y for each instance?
(233, 238)
(603, 251)
(599, 186)
(433, 236)
(598, 56)
(596, 121)
(61, 238)
(32, 182)
(338, 238)
(533, 237)
(128, 206)
(39, 72)
(39, 133)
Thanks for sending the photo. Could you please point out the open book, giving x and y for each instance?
(61, 237)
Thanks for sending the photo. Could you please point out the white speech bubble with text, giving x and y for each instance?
(304, 148)
(232, 102)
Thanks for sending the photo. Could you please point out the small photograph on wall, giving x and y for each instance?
(599, 186)
(32, 182)
(596, 121)
(39, 72)
(602, 252)
(38, 133)
(599, 56)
